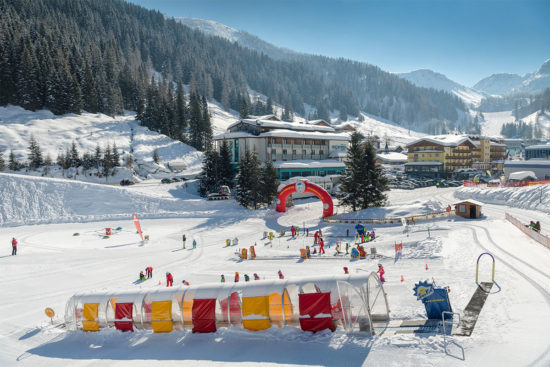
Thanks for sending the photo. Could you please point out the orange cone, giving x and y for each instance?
(426, 266)
(402, 279)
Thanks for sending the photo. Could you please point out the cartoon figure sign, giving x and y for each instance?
(423, 290)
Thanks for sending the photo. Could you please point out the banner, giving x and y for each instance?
(138, 226)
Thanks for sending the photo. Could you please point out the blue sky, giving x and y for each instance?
(466, 40)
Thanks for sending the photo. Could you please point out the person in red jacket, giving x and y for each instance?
(149, 272)
(169, 280)
(13, 247)
(381, 272)
(322, 246)
(236, 276)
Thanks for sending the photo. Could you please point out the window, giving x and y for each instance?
(285, 175)
(294, 152)
(462, 208)
(322, 173)
(304, 152)
(284, 151)
(294, 174)
(306, 173)
(320, 152)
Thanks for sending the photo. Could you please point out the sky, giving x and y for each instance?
(466, 40)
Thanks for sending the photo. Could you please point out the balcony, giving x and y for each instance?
(274, 146)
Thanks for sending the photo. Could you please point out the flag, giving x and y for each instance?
(138, 227)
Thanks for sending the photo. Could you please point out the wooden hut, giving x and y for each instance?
(470, 209)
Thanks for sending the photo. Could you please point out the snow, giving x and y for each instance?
(445, 140)
(52, 265)
(284, 125)
(306, 135)
(307, 163)
(494, 121)
(522, 175)
(55, 135)
(392, 157)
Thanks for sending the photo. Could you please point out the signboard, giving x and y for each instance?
(49, 312)
(436, 300)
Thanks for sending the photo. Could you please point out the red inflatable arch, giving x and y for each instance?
(302, 187)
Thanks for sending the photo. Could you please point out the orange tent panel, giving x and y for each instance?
(90, 315)
(161, 318)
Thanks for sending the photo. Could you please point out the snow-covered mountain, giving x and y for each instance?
(242, 38)
(502, 84)
(430, 79)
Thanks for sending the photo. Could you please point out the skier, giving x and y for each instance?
(537, 226)
(184, 239)
(194, 243)
(347, 248)
(236, 277)
(235, 241)
(149, 272)
(13, 246)
(169, 279)
(281, 276)
(307, 232)
(338, 249)
(322, 248)
(246, 278)
(315, 237)
(256, 276)
(346, 271)
(141, 275)
(381, 272)
(222, 280)
(185, 282)
(293, 231)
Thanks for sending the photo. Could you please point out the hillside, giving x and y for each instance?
(430, 79)
(55, 135)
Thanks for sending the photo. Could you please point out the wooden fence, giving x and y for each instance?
(389, 220)
(540, 238)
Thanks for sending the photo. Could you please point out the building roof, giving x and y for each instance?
(392, 157)
(471, 201)
(283, 125)
(305, 164)
(522, 175)
(284, 133)
(531, 163)
(493, 144)
(234, 135)
(426, 163)
(538, 146)
(445, 140)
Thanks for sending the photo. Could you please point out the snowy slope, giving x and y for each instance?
(374, 125)
(56, 133)
(430, 79)
(494, 121)
(502, 84)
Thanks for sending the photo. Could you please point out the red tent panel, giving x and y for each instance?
(204, 315)
(234, 308)
(124, 311)
(313, 304)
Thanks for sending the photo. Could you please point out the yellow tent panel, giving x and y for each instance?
(187, 310)
(276, 308)
(256, 306)
(161, 317)
(90, 314)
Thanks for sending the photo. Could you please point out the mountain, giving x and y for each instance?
(242, 38)
(503, 84)
(430, 79)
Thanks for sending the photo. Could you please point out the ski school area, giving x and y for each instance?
(275, 288)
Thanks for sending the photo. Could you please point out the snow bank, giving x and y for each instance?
(529, 197)
(429, 248)
(396, 211)
(33, 200)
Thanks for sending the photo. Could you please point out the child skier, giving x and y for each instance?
(347, 248)
(222, 279)
(184, 239)
(185, 282)
(281, 276)
(236, 277)
(381, 272)
(293, 231)
(322, 247)
(256, 276)
(169, 279)
(246, 278)
(141, 275)
(13, 246)
(194, 243)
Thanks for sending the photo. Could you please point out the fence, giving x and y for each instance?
(414, 218)
(507, 184)
(540, 238)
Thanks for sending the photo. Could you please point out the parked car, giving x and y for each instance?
(126, 182)
(165, 181)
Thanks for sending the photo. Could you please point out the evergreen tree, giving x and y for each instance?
(13, 163)
(227, 174)
(129, 161)
(269, 182)
(195, 121)
(352, 180)
(156, 157)
(48, 160)
(206, 126)
(248, 181)
(107, 162)
(74, 156)
(115, 156)
(181, 115)
(98, 159)
(2, 162)
(35, 155)
(210, 178)
(243, 113)
(374, 180)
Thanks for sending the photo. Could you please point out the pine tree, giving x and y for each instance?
(115, 156)
(107, 162)
(374, 181)
(195, 121)
(206, 126)
(227, 174)
(209, 179)
(13, 163)
(248, 181)
(352, 180)
(97, 157)
(243, 113)
(129, 161)
(269, 182)
(2, 162)
(35, 155)
(156, 157)
(74, 156)
(181, 115)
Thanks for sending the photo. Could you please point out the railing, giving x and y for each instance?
(412, 218)
(540, 238)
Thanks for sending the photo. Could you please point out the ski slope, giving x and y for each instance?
(52, 265)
